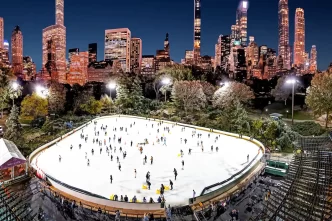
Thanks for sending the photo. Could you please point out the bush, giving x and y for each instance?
(308, 128)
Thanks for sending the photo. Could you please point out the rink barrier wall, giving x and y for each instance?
(143, 206)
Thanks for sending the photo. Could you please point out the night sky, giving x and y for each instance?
(149, 20)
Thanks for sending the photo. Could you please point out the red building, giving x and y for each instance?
(78, 69)
(17, 50)
(100, 71)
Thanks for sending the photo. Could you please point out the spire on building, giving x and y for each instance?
(59, 12)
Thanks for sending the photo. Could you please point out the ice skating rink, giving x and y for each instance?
(201, 169)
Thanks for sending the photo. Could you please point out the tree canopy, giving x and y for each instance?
(282, 91)
(319, 95)
(34, 106)
(14, 128)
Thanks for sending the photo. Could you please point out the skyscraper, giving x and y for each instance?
(17, 50)
(197, 31)
(2, 27)
(283, 25)
(71, 52)
(56, 33)
(313, 59)
(299, 39)
(117, 46)
(93, 52)
(135, 55)
(242, 21)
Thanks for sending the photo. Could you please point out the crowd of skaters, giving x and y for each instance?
(100, 142)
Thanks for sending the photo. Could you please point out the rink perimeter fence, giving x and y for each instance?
(208, 193)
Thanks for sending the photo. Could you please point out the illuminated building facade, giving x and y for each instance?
(17, 50)
(225, 47)
(29, 69)
(283, 26)
(206, 63)
(163, 58)
(148, 66)
(135, 55)
(252, 55)
(57, 35)
(2, 32)
(4, 55)
(270, 68)
(71, 52)
(197, 31)
(78, 69)
(92, 52)
(117, 46)
(217, 53)
(313, 59)
(242, 22)
(100, 71)
(299, 39)
(189, 57)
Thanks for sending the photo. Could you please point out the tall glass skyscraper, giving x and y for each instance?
(197, 31)
(283, 24)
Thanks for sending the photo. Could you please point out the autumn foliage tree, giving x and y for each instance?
(228, 95)
(177, 72)
(282, 91)
(319, 95)
(34, 106)
(208, 90)
(188, 95)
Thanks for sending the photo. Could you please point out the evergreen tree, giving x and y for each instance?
(14, 128)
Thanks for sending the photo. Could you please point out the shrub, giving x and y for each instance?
(308, 128)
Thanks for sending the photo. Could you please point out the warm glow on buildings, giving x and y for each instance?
(197, 31)
(148, 65)
(17, 50)
(242, 22)
(92, 52)
(29, 69)
(2, 27)
(299, 39)
(283, 23)
(252, 55)
(56, 33)
(135, 55)
(117, 46)
(313, 59)
(78, 69)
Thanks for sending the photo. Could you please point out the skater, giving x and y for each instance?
(117, 159)
(151, 159)
(111, 179)
(212, 148)
(88, 162)
(182, 164)
(135, 173)
(86, 155)
(171, 184)
(119, 166)
(100, 150)
(131, 143)
(148, 183)
(248, 158)
(60, 158)
(111, 157)
(175, 173)
(185, 141)
(217, 149)
(189, 151)
(162, 189)
(181, 151)
(147, 176)
(71, 147)
(120, 149)
(141, 149)
(79, 146)
(92, 151)
(194, 194)
(145, 158)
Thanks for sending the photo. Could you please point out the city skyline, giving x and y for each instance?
(180, 30)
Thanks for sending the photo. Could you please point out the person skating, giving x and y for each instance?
(248, 158)
(117, 159)
(144, 200)
(111, 157)
(141, 149)
(86, 155)
(217, 149)
(131, 143)
(148, 183)
(88, 162)
(147, 175)
(212, 148)
(111, 179)
(171, 184)
(60, 158)
(135, 172)
(189, 151)
(120, 149)
(151, 159)
(100, 150)
(79, 146)
(175, 173)
(162, 189)
(145, 158)
(181, 151)
(182, 164)
(125, 198)
(119, 166)
(71, 147)
(92, 151)
(194, 194)
(185, 141)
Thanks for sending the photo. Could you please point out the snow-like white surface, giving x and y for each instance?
(201, 169)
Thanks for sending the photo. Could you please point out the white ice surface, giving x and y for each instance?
(201, 169)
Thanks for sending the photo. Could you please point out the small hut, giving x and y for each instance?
(13, 165)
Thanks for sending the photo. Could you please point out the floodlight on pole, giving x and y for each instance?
(15, 85)
(293, 82)
(111, 86)
(224, 84)
(166, 82)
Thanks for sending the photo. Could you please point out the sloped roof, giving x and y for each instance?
(9, 155)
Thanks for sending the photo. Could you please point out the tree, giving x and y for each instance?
(177, 72)
(319, 96)
(270, 133)
(208, 90)
(4, 96)
(34, 106)
(230, 94)
(281, 91)
(14, 128)
(57, 97)
(188, 95)
(91, 106)
(107, 103)
(80, 95)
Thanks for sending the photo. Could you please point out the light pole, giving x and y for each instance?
(15, 86)
(111, 86)
(166, 82)
(293, 82)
